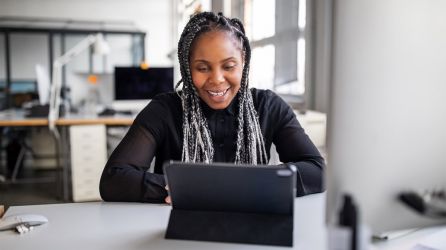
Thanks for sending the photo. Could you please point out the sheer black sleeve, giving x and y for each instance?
(295, 147)
(125, 176)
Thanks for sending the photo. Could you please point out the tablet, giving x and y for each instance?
(231, 188)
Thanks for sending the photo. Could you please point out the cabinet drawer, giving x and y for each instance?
(88, 148)
(87, 182)
(86, 188)
(98, 159)
(88, 140)
(87, 132)
(86, 194)
(81, 171)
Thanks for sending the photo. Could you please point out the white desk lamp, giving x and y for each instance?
(100, 47)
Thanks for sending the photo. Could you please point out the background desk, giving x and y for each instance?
(103, 225)
(17, 119)
(82, 149)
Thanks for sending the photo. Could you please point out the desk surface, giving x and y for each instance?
(105, 225)
(16, 118)
(108, 225)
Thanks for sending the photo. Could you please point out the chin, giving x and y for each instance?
(217, 106)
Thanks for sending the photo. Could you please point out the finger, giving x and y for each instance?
(167, 200)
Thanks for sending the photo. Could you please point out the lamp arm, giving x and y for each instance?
(76, 50)
(56, 84)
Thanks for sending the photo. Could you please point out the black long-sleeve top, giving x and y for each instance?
(157, 132)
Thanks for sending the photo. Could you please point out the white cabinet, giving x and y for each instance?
(88, 158)
(315, 125)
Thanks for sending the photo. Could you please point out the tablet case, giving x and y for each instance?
(231, 203)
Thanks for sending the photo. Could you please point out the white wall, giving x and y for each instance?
(2, 56)
(321, 21)
(27, 49)
(150, 16)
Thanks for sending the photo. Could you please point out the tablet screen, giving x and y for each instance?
(229, 187)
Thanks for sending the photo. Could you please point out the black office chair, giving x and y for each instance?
(16, 150)
(15, 153)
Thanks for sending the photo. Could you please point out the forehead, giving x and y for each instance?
(216, 42)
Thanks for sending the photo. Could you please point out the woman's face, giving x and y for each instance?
(216, 66)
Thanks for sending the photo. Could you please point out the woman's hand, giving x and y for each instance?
(167, 199)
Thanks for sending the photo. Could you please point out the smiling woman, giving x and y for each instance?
(220, 43)
(215, 117)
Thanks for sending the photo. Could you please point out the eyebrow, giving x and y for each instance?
(224, 60)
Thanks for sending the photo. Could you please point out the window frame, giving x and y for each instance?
(287, 68)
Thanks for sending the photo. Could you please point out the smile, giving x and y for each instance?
(218, 93)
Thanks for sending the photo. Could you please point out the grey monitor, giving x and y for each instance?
(387, 120)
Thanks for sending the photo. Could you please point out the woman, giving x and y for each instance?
(214, 118)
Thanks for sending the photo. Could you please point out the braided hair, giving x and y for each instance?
(197, 141)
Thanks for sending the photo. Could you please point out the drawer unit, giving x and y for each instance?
(88, 150)
(315, 124)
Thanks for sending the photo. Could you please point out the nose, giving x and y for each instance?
(217, 77)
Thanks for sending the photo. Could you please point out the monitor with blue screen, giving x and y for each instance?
(135, 87)
(20, 91)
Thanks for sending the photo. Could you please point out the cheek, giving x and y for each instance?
(197, 79)
(236, 78)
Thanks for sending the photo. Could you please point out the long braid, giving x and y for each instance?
(197, 141)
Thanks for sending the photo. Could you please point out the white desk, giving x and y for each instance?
(107, 225)
(104, 225)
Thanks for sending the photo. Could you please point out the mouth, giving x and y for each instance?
(217, 93)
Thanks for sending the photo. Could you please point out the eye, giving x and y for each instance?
(202, 68)
(229, 66)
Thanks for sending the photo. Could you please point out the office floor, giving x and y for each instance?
(44, 189)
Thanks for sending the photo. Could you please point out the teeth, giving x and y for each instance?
(222, 93)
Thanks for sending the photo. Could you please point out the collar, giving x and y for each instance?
(230, 110)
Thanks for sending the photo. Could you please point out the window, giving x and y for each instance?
(276, 29)
(262, 60)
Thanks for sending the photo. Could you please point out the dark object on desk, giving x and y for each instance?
(431, 204)
(107, 112)
(228, 203)
(39, 111)
(112, 112)
(19, 99)
(348, 217)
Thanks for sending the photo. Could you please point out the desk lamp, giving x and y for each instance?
(100, 47)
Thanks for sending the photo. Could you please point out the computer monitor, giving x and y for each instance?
(134, 86)
(387, 118)
(21, 91)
